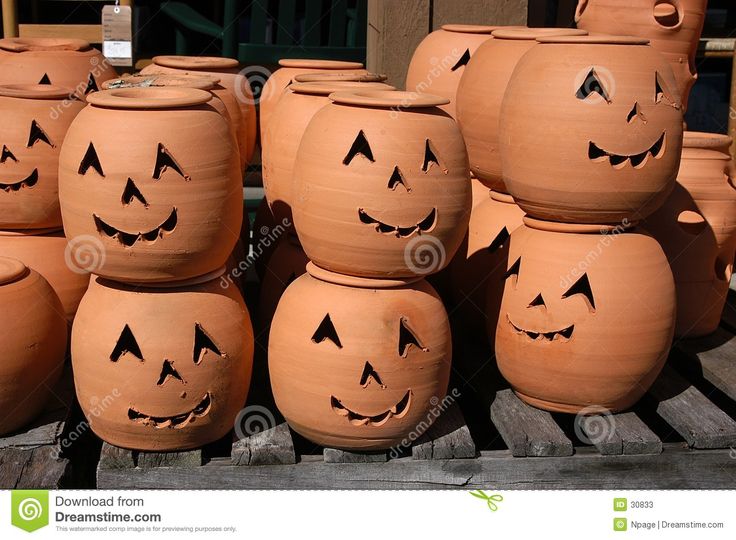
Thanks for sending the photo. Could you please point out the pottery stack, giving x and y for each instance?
(588, 309)
(360, 347)
(150, 181)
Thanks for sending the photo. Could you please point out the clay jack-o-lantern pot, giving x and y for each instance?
(299, 103)
(32, 345)
(67, 63)
(35, 122)
(587, 315)
(673, 27)
(236, 93)
(358, 363)
(440, 59)
(697, 230)
(381, 184)
(176, 362)
(150, 175)
(600, 140)
(480, 92)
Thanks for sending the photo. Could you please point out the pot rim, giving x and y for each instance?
(580, 228)
(339, 76)
(594, 39)
(529, 34)
(195, 62)
(398, 99)
(328, 276)
(20, 44)
(500, 196)
(330, 87)
(12, 270)
(203, 82)
(163, 97)
(35, 91)
(30, 232)
(702, 139)
(470, 28)
(316, 63)
(170, 285)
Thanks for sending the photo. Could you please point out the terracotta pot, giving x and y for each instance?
(673, 27)
(167, 208)
(67, 63)
(238, 97)
(440, 59)
(697, 230)
(287, 263)
(297, 106)
(358, 363)
(282, 77)
(481, 90)
(358, 76)
(587, 315)
(477, 271)
(163, 368)
(33, 343)
(382, 185)
(591, 145)
(35, 122)
(46, 252)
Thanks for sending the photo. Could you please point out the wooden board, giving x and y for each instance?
(618, 434)
(447, 438)
(113, 457)
(271, 447)
(334, 455)
(714, 358)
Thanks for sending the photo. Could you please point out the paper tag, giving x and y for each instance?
(117, 35)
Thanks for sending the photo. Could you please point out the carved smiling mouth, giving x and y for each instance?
(618, 161)
(358, 419)
(561, 335)
(177, 421)
(425, 225)
(28, 182)
(128, 239)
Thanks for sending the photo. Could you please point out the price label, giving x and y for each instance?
(117, 35)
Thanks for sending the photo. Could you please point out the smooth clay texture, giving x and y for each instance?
(172, 366)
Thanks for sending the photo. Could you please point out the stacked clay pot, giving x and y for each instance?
(588, 308)
(150, 177)
(67, 63)
(234, 90)
(673, 27)
(35, 122)
(360, 347)
(32, 345)
(697, 230)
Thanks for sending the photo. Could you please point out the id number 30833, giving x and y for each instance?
(641, 504)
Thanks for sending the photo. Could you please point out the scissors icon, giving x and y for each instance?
(491, 500)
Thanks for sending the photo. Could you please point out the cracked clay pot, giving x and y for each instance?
(358, 363)
(149, 179)
(165, 368)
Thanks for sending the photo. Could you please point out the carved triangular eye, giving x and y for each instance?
(90, 159)
(326, 330)
(500, 240)
(397, 179)
(407, 338)
(203, 343)
(126, 344)
(360, 146)
(513, 270)
(38, 134)
(592, 85)
(661, 92)
(582, 286)
(7, 154)
(91, 85)
(464, 59)
(45, 79)
(430, 157)
(165, 160)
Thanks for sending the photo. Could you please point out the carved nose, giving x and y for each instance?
(636, 114)
(368, 374)
(168, 371)
(131, 192)
(397, 179)
(538, 301)
(7, 154)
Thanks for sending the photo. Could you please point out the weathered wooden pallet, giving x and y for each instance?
(34, 457)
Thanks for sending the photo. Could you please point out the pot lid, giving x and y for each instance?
(18, 44)
(344, 76)
(11, 270)
(329, 87)
(195, 62)
(35, 91)
(314, 63)
(469, 28)
(595, 39)
(166, 97)
(520, 32)
(388, 99)
(155, 80)
(698, 139)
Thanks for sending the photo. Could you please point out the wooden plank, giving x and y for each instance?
(87, 32)
(113, 457)
(38, 468)
(334, 455)
(691, 414)
(447, 438)
(675, 468)
(492, 12)
(274, 446)
(527, 431)
(618, 434)
(714, 358)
